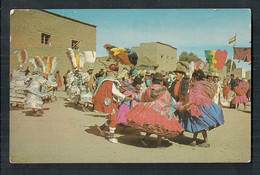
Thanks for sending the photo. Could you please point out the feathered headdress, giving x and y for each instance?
(123, 55)
(36, 63)
(50, 64)
(77, 61)
(90, 56)
(71, 55)
(22, 56)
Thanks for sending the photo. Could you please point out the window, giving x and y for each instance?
(46, 39)
(75, 44)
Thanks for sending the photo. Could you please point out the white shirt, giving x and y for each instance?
(116, 92)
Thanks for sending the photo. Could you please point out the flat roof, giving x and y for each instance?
(68, 18)
(161, 44)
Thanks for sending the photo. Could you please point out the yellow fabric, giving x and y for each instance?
(214, 61)
(48, 66)
(78, 61)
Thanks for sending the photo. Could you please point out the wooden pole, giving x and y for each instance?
(233, 55)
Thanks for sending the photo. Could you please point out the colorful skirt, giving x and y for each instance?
(212, 117)
(144, 118)
(123, 110)
(239, 99)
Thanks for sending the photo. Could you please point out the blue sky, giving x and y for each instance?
(190, 30)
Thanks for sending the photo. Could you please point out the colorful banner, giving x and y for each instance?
(216, 59)
(220, 57)
(242, 53)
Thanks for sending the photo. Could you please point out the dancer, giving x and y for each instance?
(199, 113)
(133, 91)
(240, 89)
(154, 115)
(105, 99)
(37, 90)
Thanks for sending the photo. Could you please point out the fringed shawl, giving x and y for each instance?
(201, 94)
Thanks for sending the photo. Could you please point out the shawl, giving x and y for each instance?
(244, 86)
(201, 94)
(226, 90)
(239, 91)
(153, 92)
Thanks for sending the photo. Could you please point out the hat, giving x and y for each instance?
(148, 73)
(137, 80)
(134, 73)
(209, 74)
(142, 72)
(216, 75)
(158, 76)
(179, 70)
(90, 68)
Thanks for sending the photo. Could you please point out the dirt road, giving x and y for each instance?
(68, 135)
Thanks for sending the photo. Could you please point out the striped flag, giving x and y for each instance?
(231, 40)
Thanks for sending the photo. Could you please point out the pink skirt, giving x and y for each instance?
(240, 99)
(123, 110)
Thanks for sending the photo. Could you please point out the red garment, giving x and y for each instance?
(153, 114)
(105, 91)
(58, 79)
(226, 90)
(177, 87)
(239, 91)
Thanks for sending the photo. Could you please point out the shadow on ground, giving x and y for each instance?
(130, 136)
(183, 140)
(30, 112)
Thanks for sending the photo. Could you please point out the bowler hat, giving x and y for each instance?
(158, 76)
(179, 70)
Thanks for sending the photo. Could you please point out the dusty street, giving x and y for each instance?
(68, 135)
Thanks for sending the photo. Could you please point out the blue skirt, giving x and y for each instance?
(212, 117)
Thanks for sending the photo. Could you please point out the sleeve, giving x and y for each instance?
(116, 92)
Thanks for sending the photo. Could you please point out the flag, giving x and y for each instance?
(210, 54)
(242, 53)
(220, 57)
(231, 40)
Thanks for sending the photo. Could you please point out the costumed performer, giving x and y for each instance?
(130, 90)
(105, 100)
(199, 113)
(240, 89)
(155, 113)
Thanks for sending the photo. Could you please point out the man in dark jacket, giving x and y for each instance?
(232, 82)
(179, 88)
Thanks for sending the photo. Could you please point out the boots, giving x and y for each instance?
(112, 138)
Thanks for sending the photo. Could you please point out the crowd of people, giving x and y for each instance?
(165, 104)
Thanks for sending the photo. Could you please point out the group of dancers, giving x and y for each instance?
(153, 108)
(31, 90)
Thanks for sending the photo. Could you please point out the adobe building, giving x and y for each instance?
(239, 72)
(44, 33)
(248, 75)
(163, 56)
